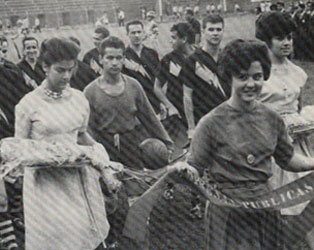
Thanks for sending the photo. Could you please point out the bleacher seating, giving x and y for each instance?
(16, 7)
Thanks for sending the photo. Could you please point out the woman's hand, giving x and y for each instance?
(112, 183)
(184, 168)
(100, 157)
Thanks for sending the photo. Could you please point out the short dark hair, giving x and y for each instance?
(272, 24)
(56, 50)
(273, 7)
(184, 30)
(29, 38)
(212, 18)
(239, 55)
(134, 22)
(111, 42)
(103, 31)
(189, 12)
(75, 40)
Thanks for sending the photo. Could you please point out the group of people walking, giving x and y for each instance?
(230, 103)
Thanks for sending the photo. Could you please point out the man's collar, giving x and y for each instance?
(136, 51)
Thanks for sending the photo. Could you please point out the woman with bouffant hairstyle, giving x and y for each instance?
(283, 93)
(64, 207)
(233, 147)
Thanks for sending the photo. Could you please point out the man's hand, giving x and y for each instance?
(191, 133)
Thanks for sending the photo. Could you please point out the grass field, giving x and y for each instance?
(174, 228)
(235, 27)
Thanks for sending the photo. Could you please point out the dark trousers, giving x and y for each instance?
(121, 22)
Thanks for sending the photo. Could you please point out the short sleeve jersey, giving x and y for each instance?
(237, 146)
(144, 69)
(171, 66)
(201, 75)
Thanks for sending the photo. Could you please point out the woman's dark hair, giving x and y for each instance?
(111, 42)
(271, 24)
(239, 54)
(56, 50)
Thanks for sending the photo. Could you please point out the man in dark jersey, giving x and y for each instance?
(141, 62)
(91, 58)
(203, 89)
(182, 40)
(13, 88)
(83, 74)
(32, 71)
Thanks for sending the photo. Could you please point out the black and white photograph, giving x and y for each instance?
(156, 125)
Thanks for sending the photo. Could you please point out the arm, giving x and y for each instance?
(149, 119)
(299, 163)
(86, 59)
(22, 121)
(300, 99)
(163, 98)
(101, 161)
(202, 144)
(197, 40)
(84, 138)
(155, 63)
(188, 108)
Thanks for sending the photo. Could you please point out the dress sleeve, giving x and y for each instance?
(202, 145)
(85, 109)
(284, 149)
(23, 119)
(302, 77)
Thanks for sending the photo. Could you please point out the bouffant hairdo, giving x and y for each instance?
(239, 54)
(271, 24)
(56, 50)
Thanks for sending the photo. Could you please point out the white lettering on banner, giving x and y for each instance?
(289, 195)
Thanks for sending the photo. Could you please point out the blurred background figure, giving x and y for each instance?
(103, 21)
(91, 58)
(121, 17)
(37, 26)
(32, 70)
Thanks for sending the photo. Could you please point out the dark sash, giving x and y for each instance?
(289, 195)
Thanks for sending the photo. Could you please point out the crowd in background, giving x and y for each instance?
(119, 95)
(303, 15)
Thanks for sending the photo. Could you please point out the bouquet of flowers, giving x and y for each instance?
(17, 153)
(298, 123)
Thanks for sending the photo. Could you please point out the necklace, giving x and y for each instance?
(52, 94)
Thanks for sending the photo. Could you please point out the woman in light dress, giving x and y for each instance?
(64, 206)
(282, 92)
